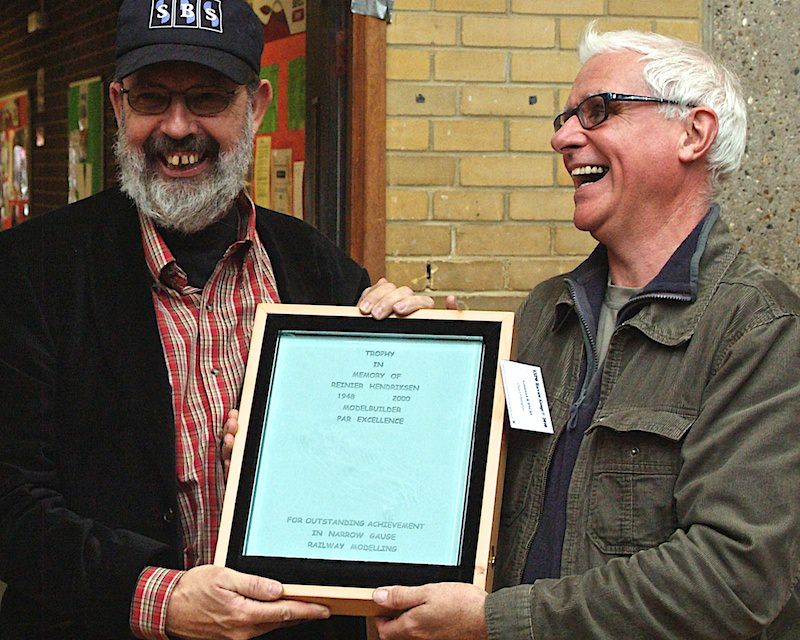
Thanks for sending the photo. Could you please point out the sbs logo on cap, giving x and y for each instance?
(186, 14)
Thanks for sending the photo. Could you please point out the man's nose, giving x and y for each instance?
(177, 121)
(568, 135)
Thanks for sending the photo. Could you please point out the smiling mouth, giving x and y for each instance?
(589, 173)
(182, 161)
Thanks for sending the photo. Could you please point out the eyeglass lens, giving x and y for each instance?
(591, 112)
(200, 101)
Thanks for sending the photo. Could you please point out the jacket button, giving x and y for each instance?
(634, 452)
(169, 516)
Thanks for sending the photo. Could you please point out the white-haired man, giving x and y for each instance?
(665, 505)
(124, 328)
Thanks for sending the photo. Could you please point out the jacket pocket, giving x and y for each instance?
(636, 462)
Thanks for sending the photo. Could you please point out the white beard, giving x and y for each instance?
(184, 204)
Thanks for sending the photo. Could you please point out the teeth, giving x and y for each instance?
(585, 171)
(177, 159)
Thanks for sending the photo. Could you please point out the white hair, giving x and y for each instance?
(683, 72)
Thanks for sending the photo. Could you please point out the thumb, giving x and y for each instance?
(253, 587)
(399, 598)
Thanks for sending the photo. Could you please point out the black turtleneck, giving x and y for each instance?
(198, 253)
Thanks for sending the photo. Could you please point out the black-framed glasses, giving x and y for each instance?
(201, 101)
(593, 110)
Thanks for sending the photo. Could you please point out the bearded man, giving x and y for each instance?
(124, 327)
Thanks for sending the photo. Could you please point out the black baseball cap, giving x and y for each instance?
(225, 35)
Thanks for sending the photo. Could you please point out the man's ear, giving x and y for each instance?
(699, 132)
(262, 99)
(116, 97)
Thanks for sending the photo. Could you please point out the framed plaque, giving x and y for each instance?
(369, 452)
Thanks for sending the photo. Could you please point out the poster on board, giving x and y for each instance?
(283, 64)
(85, 122)
(14, 159)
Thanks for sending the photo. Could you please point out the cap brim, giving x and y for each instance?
(230, 66)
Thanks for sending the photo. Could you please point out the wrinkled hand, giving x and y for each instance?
(443, 611)
(218, 603)
(384, 298)
(228, 438)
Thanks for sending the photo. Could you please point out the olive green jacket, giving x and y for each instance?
(683, 516)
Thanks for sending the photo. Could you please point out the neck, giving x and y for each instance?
(636, 259)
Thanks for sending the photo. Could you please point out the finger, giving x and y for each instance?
(250, 586)
(287, 612)
(451, 302)
(385, 305)
(411, 304)
(232, 423)
(400, 598)
(373, 294)
(393, 628)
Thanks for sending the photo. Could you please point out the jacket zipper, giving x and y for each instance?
(573, 411)
(591, 364)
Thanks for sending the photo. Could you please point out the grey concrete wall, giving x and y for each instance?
(759, 40)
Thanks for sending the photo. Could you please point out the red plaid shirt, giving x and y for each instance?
(205, 334)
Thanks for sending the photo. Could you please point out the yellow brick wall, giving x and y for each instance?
(477, 202)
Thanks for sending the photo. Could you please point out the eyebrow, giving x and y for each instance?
(587, 95)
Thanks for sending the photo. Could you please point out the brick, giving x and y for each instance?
(502, 240)
(572, 28)
(491, 100)
(406, 134)
(563, 179)
(426, 29)
(402, 99)
(472, 65)
(420, 170)
(526, 274)
(412, 274)
(672, 9)
(411, 5)
(480, 6)
(570, 7)
(517, 31)
(484, 302)
(544, 66)
(563, 99)
(417, 240)
(406, 204)
(467, 276)
(570, 241)
(506, 170)
(530, 134)
(688, 30)
(468, 205)
(542, 204)
(469, 135)
(408, 64)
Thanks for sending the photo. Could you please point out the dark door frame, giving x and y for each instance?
(345, 175)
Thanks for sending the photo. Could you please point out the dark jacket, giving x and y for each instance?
(682, 518)
(87, 457)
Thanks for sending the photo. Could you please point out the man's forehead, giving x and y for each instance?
(620, 72)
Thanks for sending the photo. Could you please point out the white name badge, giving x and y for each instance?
(526, 399)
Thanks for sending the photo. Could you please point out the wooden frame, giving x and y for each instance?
(366, 232)
(345, 583)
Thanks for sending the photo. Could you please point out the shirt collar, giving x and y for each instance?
(160, 261)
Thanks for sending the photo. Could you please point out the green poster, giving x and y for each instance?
(85, 122)
(270, 122)
(297, 94)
